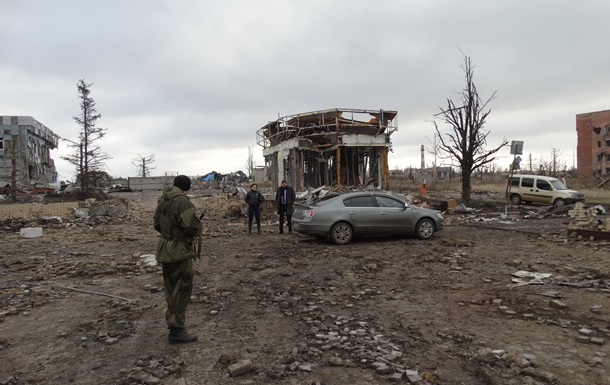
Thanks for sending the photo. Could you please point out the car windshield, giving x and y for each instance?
(557, 184)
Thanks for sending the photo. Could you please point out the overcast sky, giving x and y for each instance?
(191, 81)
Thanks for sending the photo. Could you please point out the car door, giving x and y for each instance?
(394, 216)
(544, 191)
(363, 213)
(529, 190)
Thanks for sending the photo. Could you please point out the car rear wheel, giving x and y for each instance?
(559, 202)
(424, 228)
(341, 233)
(515, 199)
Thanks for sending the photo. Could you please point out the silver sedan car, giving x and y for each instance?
(340, 217)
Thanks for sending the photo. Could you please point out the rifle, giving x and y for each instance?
(199, 238)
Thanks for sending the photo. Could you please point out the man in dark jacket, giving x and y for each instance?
(254, 199)
(178, 224)
(284, 197)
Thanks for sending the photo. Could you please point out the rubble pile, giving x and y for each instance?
(586, 218)
(151, 370)
(20, 298)
(114, 323)
(289, 309)
(220, 206)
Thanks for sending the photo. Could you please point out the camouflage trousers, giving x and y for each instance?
(178, 286)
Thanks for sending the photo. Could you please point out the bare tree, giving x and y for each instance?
(556, 163)
(467, 138)
(143, 163)
(87, 156)
(434, 149)
(250, 162)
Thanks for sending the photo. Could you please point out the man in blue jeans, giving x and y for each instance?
(284, 197)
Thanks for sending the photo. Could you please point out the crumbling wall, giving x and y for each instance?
(150, 182)
(337, 147)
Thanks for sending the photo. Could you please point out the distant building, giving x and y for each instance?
(593, 148)
(335, 147)
(443, 173)
(25, 148)
(259, 174)
(431, 173)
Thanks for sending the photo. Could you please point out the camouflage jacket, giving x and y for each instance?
(178, 224)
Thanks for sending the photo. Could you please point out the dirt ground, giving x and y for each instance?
(81, 305)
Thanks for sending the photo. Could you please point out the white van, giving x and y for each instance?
(541, 189)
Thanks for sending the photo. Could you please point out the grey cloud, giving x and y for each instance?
(192, 75)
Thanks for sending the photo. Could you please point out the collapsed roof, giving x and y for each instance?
(318, 124)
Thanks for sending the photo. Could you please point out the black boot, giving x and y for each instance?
(180, 336)
(249, 228)
(258, 228)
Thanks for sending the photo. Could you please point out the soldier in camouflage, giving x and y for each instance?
(176, 221)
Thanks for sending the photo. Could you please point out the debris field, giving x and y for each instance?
(489, 300)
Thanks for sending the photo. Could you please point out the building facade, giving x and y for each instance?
(336, 147)
(25, 151)
(593, 148)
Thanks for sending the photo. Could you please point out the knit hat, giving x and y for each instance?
(183, 182)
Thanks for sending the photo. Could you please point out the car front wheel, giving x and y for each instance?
(341, 233)
(515, 199)
(559, 202)
(424, 229)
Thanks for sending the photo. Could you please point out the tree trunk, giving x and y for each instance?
(466, 187)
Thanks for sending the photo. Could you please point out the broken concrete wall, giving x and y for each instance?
(150, 182)
(25, 149)
(63, 209)
(37, 210)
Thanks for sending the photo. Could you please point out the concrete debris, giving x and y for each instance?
(462, 209)
(31, 232)
(240, 367)
(413, 376)
(150, 370)
(586, 218)
(149, 259)
(80, 213)
(557, 304)
(601, 210)
(522, 278)
(540, 375)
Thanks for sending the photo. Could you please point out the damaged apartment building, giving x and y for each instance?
(25, 152)
(337, 147)
(593, 149)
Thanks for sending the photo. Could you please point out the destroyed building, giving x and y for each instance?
(337, 147)
(25, 151)
(593, 149)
